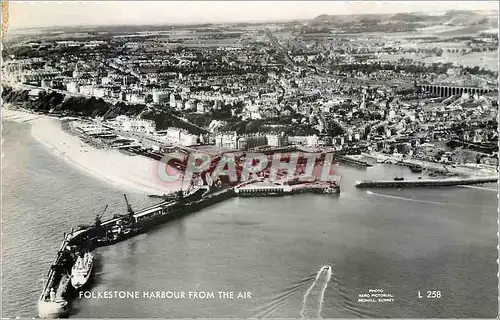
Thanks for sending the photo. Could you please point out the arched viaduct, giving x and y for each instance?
(447, 91)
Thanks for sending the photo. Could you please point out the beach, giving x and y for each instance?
(129, 173)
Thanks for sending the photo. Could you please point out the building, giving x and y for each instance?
(160, 97)
(87, 90)
(226, 140)
(139, 125)
(189, 105)
(297, 140)
(138, 98)
(99, 92)
(46, 83)
(105, 81)
(312, 141)
(181, 137)
(174, 98)
(338, 141)
(200, 107)
(275, 140)
(251, 141)
(73, 87)
(76, 72)
(121, 119)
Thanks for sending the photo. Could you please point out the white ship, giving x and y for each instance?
(80, 273)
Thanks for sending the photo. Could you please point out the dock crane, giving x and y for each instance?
(130, 211)
(99, 216)
(97, 225)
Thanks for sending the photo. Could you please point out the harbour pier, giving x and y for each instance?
(423, 182)
(56, 295)
(262, 189)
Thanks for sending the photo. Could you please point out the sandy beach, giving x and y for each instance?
(129, 173)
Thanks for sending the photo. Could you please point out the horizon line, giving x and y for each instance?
(194, 23)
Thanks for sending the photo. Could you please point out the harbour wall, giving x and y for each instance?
(283, 190)
(423, 183)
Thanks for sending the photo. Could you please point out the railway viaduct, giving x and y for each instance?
(447, 91)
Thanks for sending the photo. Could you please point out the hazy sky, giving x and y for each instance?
(65, 13)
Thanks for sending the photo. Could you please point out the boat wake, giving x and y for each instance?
(323, 277)
(318, 287)
(422, 201)
(308, 292)
(323, 290)
(480, 188)
(281, 298)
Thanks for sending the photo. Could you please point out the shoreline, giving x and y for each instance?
(113, 167)
(128, 173)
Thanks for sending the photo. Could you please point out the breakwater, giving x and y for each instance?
(423, 183)
(259, 190)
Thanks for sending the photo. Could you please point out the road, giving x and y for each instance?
(277, 45)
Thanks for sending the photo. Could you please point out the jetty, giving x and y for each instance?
(53, 301)
(424, 182)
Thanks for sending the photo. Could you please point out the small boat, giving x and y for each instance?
(399, 178)
(80, 273)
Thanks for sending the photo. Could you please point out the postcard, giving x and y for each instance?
(249, 159)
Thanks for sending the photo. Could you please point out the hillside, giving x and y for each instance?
(403, 21)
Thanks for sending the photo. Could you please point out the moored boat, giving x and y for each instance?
(82, 269)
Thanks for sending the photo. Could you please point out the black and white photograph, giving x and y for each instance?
(249, 159)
